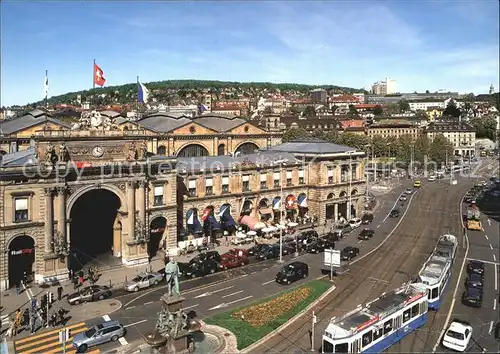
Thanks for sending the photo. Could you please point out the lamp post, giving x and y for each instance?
(281, 163)
(350, 185)
(411, 160)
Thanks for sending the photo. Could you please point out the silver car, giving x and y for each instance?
(143, 281)
(104, 332)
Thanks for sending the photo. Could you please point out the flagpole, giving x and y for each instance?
(46, 89)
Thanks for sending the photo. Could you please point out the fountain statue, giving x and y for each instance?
(94, 121)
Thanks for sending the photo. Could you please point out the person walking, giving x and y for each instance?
(18, 287)
(32, 324)
(59, 293)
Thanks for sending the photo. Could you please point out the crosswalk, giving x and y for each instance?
(48, 342)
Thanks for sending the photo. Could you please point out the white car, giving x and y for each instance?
(458, 336)
(432, 178)
(403, 197)
(409, 191)
(355, 223)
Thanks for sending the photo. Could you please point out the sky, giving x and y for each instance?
(423, 45)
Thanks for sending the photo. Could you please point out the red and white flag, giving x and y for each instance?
(98, 76)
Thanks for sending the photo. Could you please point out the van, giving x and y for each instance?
(417, 184)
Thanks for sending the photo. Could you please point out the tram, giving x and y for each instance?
(435, 275)
(379, 324)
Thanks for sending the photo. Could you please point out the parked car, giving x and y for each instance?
(432, 178)
(367, 218)
(108, 331)
(497, 331)
(201, 268)
(458, 336)
(230, 260)
(212, 255)
(333, 236)
(474, 281)
(255, 250)
(238, 251)
(320, 245)
(472, 297)
(143, 281)
(292, 272)
(394, 213)
(269, 252)
(475, 267)
(89, 293)
(366, 234)
(349, 253)
(355, 223)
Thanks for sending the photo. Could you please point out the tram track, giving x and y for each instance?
(387, 268)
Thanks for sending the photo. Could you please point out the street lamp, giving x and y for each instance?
(350, 185)
(411, 159)
(373, 170)
(281, 164)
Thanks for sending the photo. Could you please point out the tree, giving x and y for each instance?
(403, 106)
(309, 111)
(294, 110)
(427, 91)
(334, 109)
(357, 141)
(486, 127)
(421, 148)
(294, 134)
(452, 110)
(378, 110)
(392, 108)
(402, 148)
(379, 145)
(439, 149)
(318, 134)
(353, 112)
(332, 136)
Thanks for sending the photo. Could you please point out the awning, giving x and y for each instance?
(248, 221)
(206, 213)
(277, 203)
(226, 219)
(266, 211)
(157, 230)
(192, 222)
(302, 201)
(291, 202)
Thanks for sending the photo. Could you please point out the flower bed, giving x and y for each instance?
(263, 317)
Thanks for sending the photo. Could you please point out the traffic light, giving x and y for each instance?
(51, 298)
(44, 300)
(64, 335)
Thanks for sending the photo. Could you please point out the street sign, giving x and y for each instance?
(332, 258)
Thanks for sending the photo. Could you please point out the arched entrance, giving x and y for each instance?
(161, 150)
(354, 194)
(330, 207)
(342, 208)
(247, 208)
(211, 227)
(291, 207)
(21, 258)
(246, 148)
(193, 150)
(265, 211)
(95, 231)
(302, 204)
(157, 229)
(221, 149)
(277, 209)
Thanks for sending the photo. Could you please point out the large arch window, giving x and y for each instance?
(193, 150)
(162, 150)
(247, 148)
(221, 149)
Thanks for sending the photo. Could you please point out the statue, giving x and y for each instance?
(132, 152)
(64, 153)
(143, 151)
(51, 157)
(93, 121)
(172, 277)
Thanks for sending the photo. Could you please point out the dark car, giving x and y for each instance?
(310, 233)
(292, 272)
(212, 255)
(366, 234)
(475, 267)
(269, 252)
(474, 281)
(349, 253)
(90, 293)
(367, 218)
(255, 250)
(497, 331)
(333, 236)
(346, 228)
(472, 297)
(467, 199)
(394, 213)
(320, 245)
(201, 268)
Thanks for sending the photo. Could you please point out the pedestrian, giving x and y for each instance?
(61, 313)
(54, 319)
(32, 324)
(59, 293)
(18, 287)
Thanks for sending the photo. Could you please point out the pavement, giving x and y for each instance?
(433, 211)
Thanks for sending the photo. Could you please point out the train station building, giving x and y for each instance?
(116, 192)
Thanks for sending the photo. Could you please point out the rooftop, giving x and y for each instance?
(315, 147)
(449, 126)
(29, 120)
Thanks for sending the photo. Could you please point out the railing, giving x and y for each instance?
(89, 133)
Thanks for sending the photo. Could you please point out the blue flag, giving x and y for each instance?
(142, 93)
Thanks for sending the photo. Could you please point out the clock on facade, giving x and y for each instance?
(97, 151)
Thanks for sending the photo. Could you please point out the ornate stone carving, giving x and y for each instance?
(143, 184)
(121, 186)
(132, 152)
(62, 190)
(51, 157)
(48, 191)
(64, 153)
(131, 184)
(94, 121)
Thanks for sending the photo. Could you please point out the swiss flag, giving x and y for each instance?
(206, 214)
(99, 76)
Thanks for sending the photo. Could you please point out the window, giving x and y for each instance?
(377, 333)
(301, 176)
(327, 347)
(353, 172)
(367, 338)
(276, 179)
(192, 187)
(415, 310)
(388, 326)
(288, 178)
(406, 316)
(225, 185)
(342, 348)
(209, 186)
(263, 181)
(158, 195)
(434, 293)
(246, 183)
(330, 175)
(21, 209)
(343, 174)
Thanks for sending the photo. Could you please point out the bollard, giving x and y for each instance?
(110, 282)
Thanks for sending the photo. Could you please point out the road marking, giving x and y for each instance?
(395, 204)
(491, 327)
(238, 292)
(489, 222)
(190, 307)
(486, 237)
(268, 282)
(226, 304)
(378, 226)
(208, 293)
(360, 241)
(494, 257)
(491, 246)
(455, 291)
(494, 304)
(496, 278)
(134, 323)
(122, 341)
(106, 318)
(264, 268)
(129, 308)
(149, 302)
(253, 273)
(482, 260)
(379, 280)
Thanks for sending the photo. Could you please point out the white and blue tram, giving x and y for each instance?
(435, 275)
(379, 324)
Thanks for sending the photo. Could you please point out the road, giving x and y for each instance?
(483, 246)
(434, 211)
